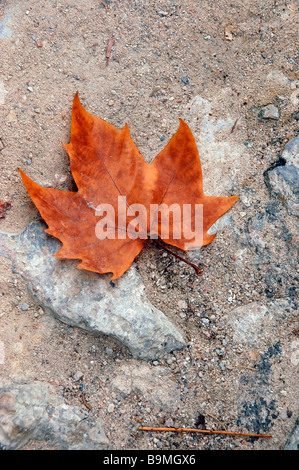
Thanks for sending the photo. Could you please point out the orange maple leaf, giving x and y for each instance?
(110, 172)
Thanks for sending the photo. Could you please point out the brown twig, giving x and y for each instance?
(108, 51)
(203, 431)
(196, 268)
(85, 402)
(216, 419)
(166, 267)
(235, 123)
(105, 6)
(190, 308)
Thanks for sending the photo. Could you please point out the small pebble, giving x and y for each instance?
(270, 112)
(111, 103)
(248, 143)
(110, 408)
(24, 307)
(17, 348)
(169, 422)
(78, 375)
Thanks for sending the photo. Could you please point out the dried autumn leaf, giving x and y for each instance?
(110, 172)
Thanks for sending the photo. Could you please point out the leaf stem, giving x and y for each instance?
(196, 268)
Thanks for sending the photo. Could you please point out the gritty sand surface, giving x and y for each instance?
(238, 56)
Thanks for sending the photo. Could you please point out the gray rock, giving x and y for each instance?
(276, 77)
(270, 112)
(255, 324)
(5, 30)
(36, 412)
(283, 181)
(249, 322)
(78, 375)
(293, 440)
(295, 115)
(110, 408)
(219, 156)
(155, 385)
(291, 152)
(88, 300)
